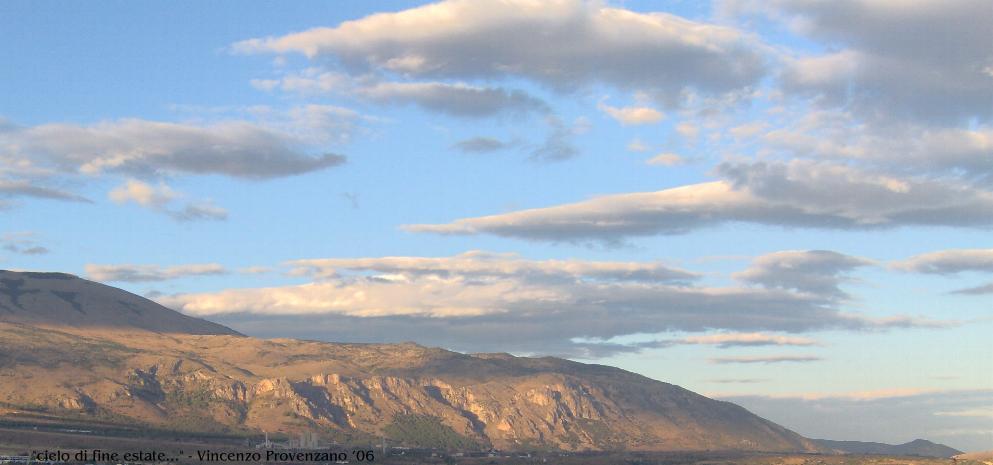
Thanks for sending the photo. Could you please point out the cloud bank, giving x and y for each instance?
(798, 193)
(482, 301)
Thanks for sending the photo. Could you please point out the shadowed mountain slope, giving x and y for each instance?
(66, 300)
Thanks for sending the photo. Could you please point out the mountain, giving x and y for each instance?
(66, 300)
(78, 350)
(917, 447)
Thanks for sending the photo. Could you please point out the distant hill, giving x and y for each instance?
(74, 349)
(917, 447)
(62, 299)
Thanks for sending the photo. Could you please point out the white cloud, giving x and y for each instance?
(818, 272)
(483, 264)
(144, 273)
(159, 198)
(920, 60)
(632, 115)
(481, 302)
(255, 270)
(727, 340)
(666, 159)
(562, 44)
(141, 147)
(795, 194)
(949, 261)
(964, 153)
(143, 194)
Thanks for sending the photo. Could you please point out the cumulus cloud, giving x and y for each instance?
(766, 359)
(159, 198)
(924, 60)
(146, 148)
(799, 193)
(632, 115)
(484, 302)
(147, 273)
(562, 44)
(893, 416)
(817, 272)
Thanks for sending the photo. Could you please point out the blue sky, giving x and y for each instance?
(784, 203)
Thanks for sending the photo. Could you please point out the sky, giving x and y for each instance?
(786, 203)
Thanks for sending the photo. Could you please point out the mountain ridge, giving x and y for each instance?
(62, 299)
(157, 368)
(917, 447)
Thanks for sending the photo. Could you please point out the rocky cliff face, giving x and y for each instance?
(75, 348)
(408, 393)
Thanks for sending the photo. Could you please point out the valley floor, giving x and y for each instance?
(25, 436)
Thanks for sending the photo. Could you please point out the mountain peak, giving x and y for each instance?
(62, 299)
